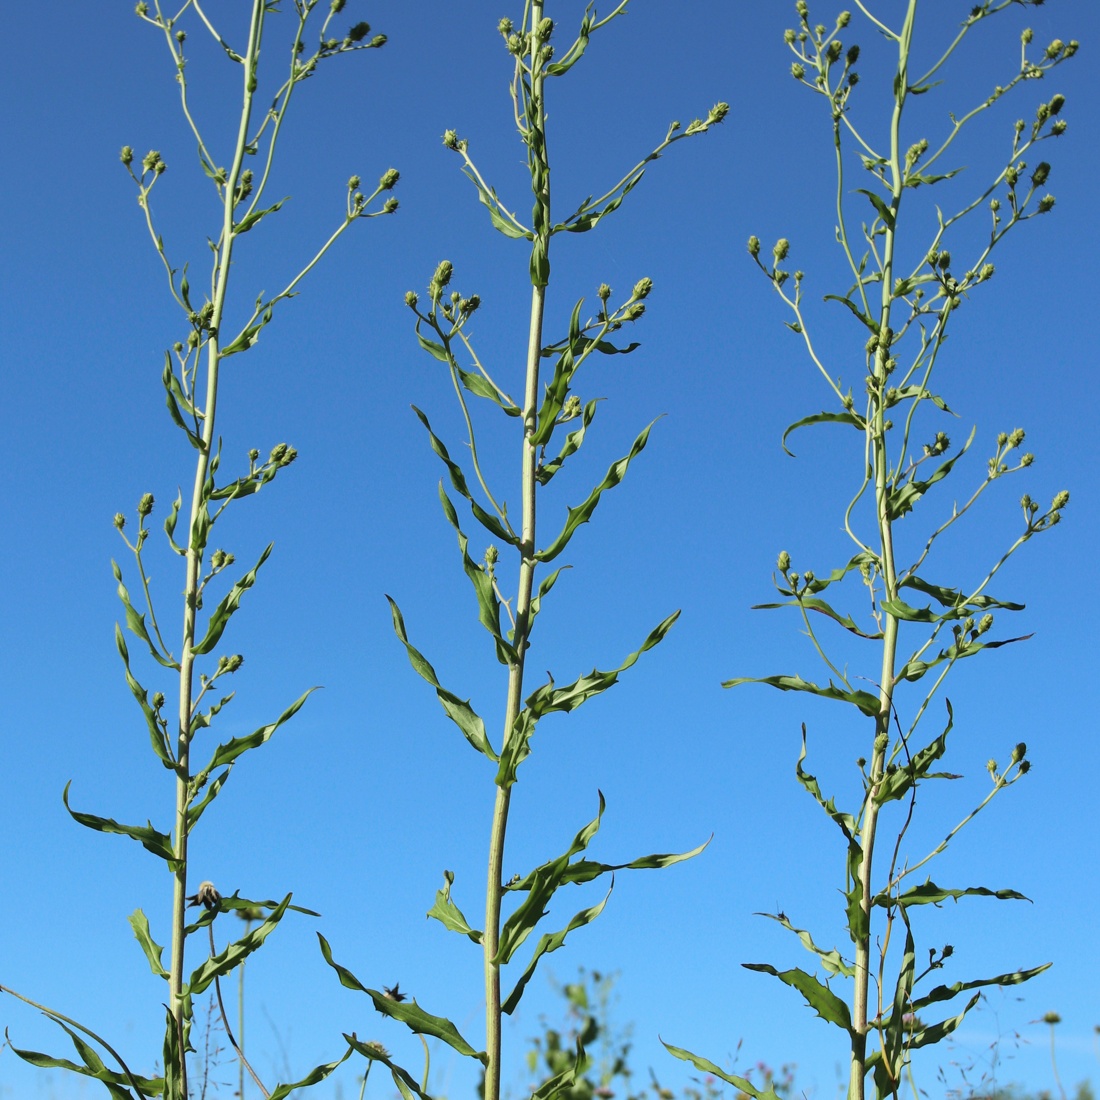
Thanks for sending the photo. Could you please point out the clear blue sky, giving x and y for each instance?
(360, 804)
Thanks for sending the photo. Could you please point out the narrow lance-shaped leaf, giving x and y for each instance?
(541, 884)
(156, 735)
(818, 996)
(136, 623)
(230, 957)
(318, 1073)
(408, 1012)
(448, 914)
(549, 698)
(832, 960)
(221, 615)
(458, 710)
(705, 1066)
(160, 844)
(582, 513)
(488, 604)
(928, 893)
(405, 1082)
(866, 702)
(153, 950)
(948, 992)
(821, 418)
(548, 942)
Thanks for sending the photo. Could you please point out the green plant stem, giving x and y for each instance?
(880, 462)
(495, 890)
(195, 548)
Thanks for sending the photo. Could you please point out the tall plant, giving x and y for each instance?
(192, 369)
(544, 407)
(906, 292)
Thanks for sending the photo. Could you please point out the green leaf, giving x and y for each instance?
(570, 447)
(540, 885)
(832, 960)
(582, 513)
(249, 220)
(548, 942)
(409, 1013)
(153, 951)
(900, 500)
(948, 992)
(225, 755)
(866, 318)
(866, 702)
(928, 893)
(228, 959)
(549, 698)
(157, 736)
(884, 212)
(565, 1079)
(160, 844)
(818, 996)
(502, 219)
(374, 1052)
(448, 914)
(458, 480)
(811, 603)
(318, 1073)
(704, 1066)
(822, 418)
(585, 870)
(897, 783)
(136, 623)
(955, 600)
(173, 397)
(585, 218)
(221, 615)
(458, 710)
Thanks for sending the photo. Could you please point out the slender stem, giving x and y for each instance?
(540, 180)
(880, 463)
(195, 547)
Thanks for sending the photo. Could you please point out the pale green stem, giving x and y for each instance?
(194, 555)
(880, 460)
(494, 889)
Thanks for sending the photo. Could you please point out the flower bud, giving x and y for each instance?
(853, 55)
(145, 505)
(158, 700)
(1046, 204)
(843, 19)
(442, 276)
(119, 520)
(604, 292)
(1055, 48)
(450, 139)
(798, 71)
(783, 562)
(1039, 176)
(1060, 501)
(505, 26)
(754, 246)
(1019, 752)
(126, 156)
(390, 205)
(389, 179)
(642, 288)
(781, 248)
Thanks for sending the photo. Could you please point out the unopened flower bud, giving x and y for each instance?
(411, 299)
(843, 19)
(604, 292)
(642, 288)
(1039, 176)
(798, 71)
(127, 155)
(1055, 48)
(450, 139)
(783, 563)
(145, 505)
(158, 700)
(390, 205)
(1019, 752)
(1046, 204)
(505, 26)
(119, 520)
(782, 247)
(754, 246)
(1060, 501)
(389, 179)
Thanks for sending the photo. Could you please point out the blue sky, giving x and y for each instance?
(360, 804)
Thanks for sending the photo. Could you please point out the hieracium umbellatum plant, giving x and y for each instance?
(888, 652)
(516, 571)
(187, 644)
